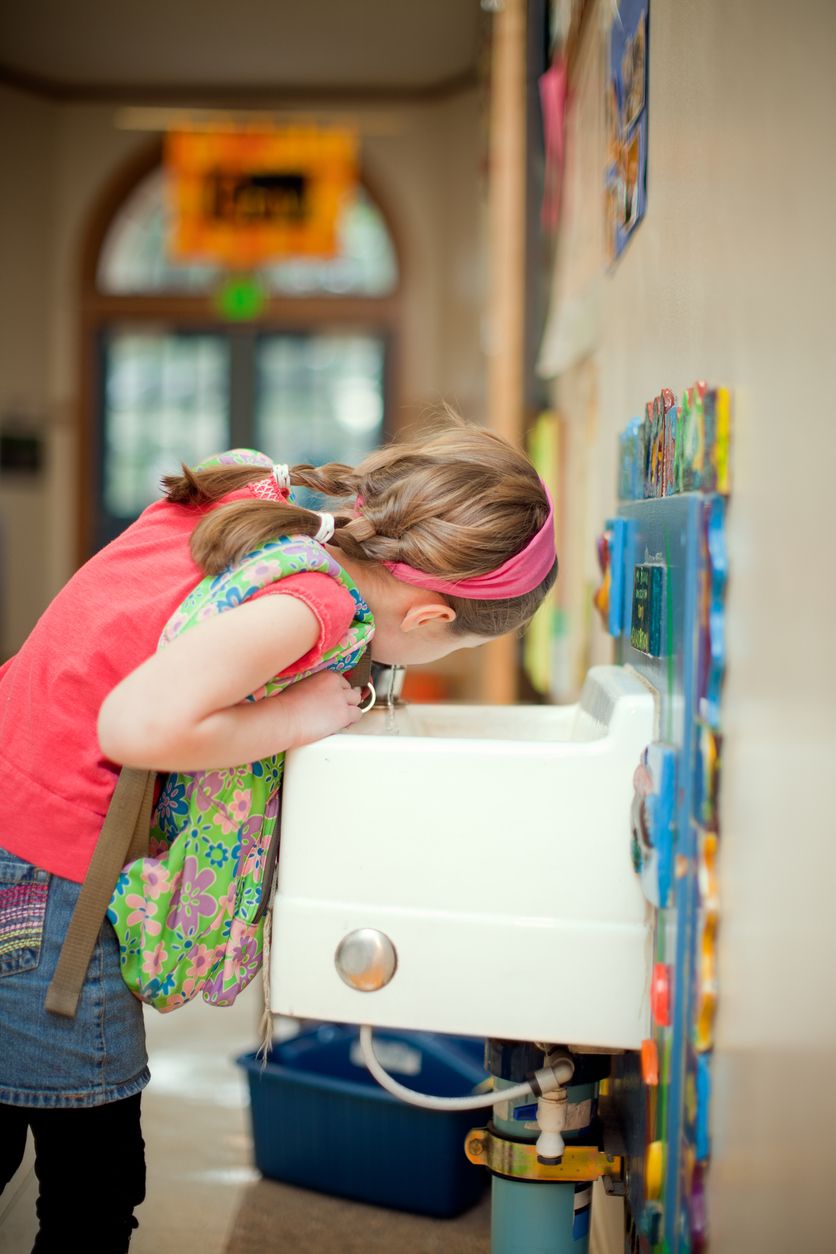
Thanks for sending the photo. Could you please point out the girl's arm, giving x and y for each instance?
(181, 709)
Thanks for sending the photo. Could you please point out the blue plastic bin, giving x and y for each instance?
(320, 1120)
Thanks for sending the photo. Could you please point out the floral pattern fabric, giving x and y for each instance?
(188, 916)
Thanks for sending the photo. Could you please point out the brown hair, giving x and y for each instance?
(456, 501)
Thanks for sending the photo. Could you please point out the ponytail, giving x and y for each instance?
(229, 531)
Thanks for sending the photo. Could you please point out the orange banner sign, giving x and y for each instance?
(244, 197)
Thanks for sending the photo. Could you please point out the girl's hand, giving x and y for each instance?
(319, 706)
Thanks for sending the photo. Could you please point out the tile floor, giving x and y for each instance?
(205, 1196)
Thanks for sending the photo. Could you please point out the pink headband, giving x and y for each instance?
(522, 573)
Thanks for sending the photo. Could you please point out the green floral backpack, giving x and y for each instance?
(190, 916)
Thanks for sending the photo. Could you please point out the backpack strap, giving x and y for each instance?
(124, 836)
(361, 673)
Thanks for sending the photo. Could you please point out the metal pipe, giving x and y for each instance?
(531, 1218)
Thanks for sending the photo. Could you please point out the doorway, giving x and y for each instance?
(177, 377)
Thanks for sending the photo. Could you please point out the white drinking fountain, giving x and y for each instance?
(467, 869)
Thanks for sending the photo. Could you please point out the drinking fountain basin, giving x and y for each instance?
(467, 869)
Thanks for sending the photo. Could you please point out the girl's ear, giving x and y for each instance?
(424, 612)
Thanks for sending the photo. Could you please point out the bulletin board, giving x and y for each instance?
(662, 598)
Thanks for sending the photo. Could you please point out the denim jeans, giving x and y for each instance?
(47, 1060)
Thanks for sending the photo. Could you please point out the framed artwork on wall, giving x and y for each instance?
(626, 112)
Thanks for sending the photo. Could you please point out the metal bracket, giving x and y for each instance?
(612, 1139)
(518, 1159)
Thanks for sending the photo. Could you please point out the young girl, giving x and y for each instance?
(449, 541)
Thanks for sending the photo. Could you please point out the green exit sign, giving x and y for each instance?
(240, 298)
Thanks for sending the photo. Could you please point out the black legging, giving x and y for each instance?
(90, 1164)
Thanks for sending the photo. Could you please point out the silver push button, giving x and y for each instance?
(366, 959)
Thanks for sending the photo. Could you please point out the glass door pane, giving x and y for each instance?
(319, 398)
(166, 401)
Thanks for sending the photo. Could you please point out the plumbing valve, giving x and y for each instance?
(551, 1116)
(552, 1106)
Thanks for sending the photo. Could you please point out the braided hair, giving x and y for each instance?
(457, 501)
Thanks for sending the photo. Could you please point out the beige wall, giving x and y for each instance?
(731, 278)
(423, 158)
(28, 144)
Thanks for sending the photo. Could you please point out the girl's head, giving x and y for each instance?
(456, 502)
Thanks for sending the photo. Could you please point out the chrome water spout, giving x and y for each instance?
(388, 683)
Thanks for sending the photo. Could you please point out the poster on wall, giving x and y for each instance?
(243, 196)
(626, 110)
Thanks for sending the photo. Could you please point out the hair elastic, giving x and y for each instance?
(326, 527)
(281, 473)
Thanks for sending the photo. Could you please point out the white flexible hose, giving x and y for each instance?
(425, 1099)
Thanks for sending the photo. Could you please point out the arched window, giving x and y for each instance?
(134, 258)
(176, 371)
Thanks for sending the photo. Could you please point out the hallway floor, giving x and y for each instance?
(204, 1195)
